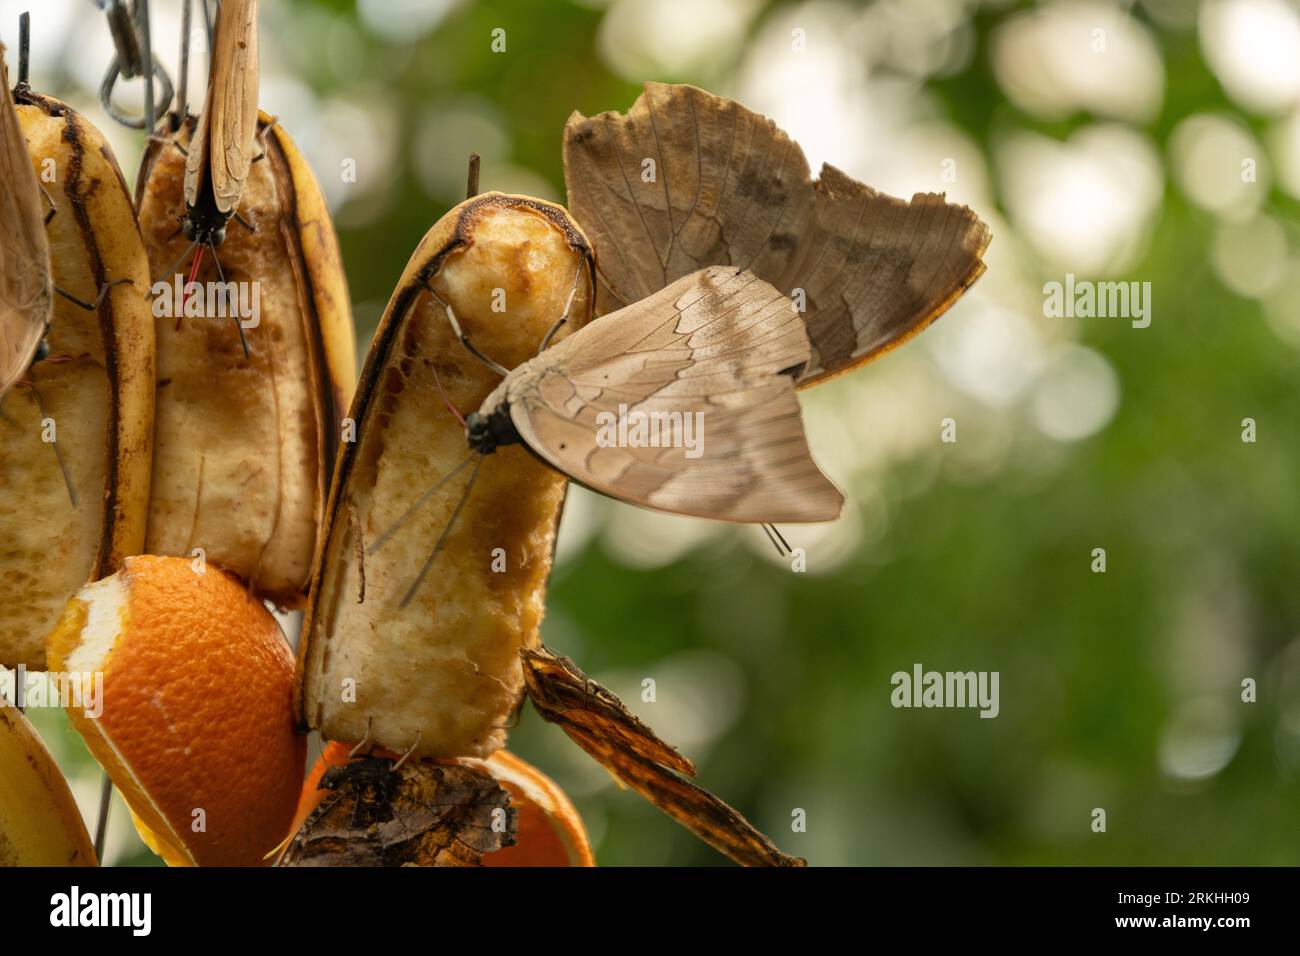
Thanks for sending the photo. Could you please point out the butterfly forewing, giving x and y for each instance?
(25, 290)
(683, 402)
(686, 179)
(224, 141)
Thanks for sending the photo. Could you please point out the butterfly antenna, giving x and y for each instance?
(442, 538)
(419, 503)
(568, 306)
(464, 339)
(58, 455)
(222, 277)
(778, 540)
(446, 400)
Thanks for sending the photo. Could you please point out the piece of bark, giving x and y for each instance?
(421, 814)
(598, 722)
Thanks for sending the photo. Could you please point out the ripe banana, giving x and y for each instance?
(88, 407)
(421, 605)
(244, 443)
(39, 821)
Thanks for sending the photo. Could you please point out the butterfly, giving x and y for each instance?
(26, 288)
(683, 402)
(222, 148)
(686, 179)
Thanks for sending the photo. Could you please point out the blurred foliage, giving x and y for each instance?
(986, 574)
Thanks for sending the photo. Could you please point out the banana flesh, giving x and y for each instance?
(429, 662)
(244, 444)
(91, 400)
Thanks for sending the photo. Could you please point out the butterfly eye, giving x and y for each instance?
(42, 351)
(476, 428)
(219, 236)
(187, 228)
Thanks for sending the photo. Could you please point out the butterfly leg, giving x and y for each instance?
(99, 299)
(419, 734)
(243, 340)
(464, 338)
(169, 141)
(364, 740)
(261, 138)
(53, 208)
(568, 307)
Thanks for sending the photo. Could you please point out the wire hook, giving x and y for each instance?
(134, 58)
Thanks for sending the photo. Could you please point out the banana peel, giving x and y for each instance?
(40, 824)
(244, 443)
(429, 662)
(88, 406)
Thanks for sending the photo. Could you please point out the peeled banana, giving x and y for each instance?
(39, 821)
(421, 604)
(87, 408)
(244, 443)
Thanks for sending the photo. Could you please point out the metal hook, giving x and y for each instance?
(134, 58)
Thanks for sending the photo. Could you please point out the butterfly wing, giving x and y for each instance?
(230, 120)
(25, 291)
(686, 179)
(683, 402)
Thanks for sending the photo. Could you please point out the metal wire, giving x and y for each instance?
(133, 58)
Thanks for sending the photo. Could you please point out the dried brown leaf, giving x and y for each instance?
(598, 722)
(421, 814)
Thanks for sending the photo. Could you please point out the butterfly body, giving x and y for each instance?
(486, 432)
(203, 223)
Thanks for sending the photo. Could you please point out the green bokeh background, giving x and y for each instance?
(984, 572)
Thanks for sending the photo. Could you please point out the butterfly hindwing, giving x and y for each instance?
(686, 179)
(25, 289)
(683, 402)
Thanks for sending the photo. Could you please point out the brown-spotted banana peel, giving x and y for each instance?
(244, 442)
(76, 431)
(424, 596)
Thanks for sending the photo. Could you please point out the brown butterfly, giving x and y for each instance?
(26, 290)
(683, 402)
(686, 179)
(222, 148)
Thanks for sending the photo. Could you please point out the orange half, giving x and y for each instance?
(196, 728)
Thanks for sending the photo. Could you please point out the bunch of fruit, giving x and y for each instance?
(200, 449)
